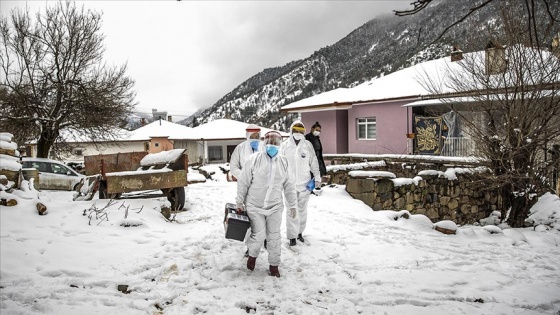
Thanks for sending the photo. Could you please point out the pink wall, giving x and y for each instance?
(330, 121)
(391, 121)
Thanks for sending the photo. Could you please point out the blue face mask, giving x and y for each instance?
(254, 144)
(271, 150)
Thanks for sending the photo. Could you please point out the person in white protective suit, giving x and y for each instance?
(243, 150)
(240, 155)
(264, 177)
(305, 169)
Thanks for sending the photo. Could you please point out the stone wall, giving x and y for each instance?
(432, 193)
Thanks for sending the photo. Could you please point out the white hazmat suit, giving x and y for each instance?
(243, 150)
(259, 191)
(302, 162)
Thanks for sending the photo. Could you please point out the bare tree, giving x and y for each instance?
(53, 78)
(511, 110)
(531, 17)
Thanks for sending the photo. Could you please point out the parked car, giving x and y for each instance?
(78, 167)
(53, 175)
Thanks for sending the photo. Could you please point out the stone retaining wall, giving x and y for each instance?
(433, 194)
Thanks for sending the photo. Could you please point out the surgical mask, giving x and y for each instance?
(316, 133)
(298, 136)
(271, 150)
(254, 144)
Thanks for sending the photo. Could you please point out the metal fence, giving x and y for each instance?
(457, 146)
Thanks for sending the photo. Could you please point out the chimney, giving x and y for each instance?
(456, 54)
(169, 118)
(142, 121)
(495, 59)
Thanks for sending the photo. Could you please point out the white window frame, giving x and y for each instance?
(215, 149)
(364, 122)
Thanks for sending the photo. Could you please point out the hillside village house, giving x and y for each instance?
(384, 115)
(212, 142)
(220, 137)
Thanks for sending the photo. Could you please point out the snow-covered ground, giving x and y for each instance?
(356, 261)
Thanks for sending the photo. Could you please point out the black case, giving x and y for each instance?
(235, 225)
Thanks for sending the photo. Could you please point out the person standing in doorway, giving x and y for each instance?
(305, 169)
(263, 181)
(313, 137)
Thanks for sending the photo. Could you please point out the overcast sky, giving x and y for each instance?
(186, 55)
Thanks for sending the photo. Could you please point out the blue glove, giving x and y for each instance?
(310, 185)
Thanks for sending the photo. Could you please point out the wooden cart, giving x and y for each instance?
(116, 174)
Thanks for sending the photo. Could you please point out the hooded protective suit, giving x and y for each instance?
(259, 191)
(302, 162)
(241, 152)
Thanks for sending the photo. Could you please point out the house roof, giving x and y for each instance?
(415, 83)
(402, 84)
(162, 128)
(221, 129)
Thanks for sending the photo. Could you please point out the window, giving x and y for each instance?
(367, 128)
(59, 169)
(79, 152)
(215, 153)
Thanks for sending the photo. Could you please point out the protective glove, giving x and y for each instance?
(293, 213)
(317, 184)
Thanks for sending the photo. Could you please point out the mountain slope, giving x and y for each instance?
(381, 46)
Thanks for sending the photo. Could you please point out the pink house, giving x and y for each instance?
(371, 118)
(417, 110)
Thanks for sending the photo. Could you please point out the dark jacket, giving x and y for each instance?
(316, 142)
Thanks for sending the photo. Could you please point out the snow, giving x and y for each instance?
(377, 174)
(449, 225)
(162, 128)
(5, 136)
(354, 166)
(163, 157)
(8, 145)
(9, 163)
(356, 261)
(410, 83)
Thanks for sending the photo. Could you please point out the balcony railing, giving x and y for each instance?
(457, 146)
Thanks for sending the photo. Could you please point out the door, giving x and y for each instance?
(230, 149)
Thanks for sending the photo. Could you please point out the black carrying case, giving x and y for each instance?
(235, 225)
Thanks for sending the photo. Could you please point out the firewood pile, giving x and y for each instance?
(13, 188)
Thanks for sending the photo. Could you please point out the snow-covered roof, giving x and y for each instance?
(413, 83)
(162, 128)
(397, 85)
(226, 129)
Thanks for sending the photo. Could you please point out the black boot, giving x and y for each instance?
(300, 238)
(292, 242)
(251, 263)
(274, 271)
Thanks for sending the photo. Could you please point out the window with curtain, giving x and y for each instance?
(215, 153)
(367, 128)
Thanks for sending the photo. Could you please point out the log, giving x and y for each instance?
(8, 202)
(8, 152)
(445, 231)
(41, 208)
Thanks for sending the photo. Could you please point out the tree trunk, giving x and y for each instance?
(520, 206)
(45, 142)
